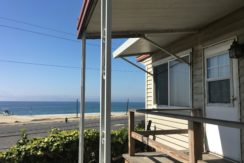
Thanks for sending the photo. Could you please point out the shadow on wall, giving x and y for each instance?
(223, 141)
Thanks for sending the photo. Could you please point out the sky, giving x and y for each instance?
(24, 46)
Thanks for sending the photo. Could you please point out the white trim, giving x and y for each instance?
(119, 51)
(146, 88)
(182, 54)
(237, 85)
(234, 38)
(191, 83)
(211, 51)
(170, 58)
(153, 90)
(219, 48)
(171, 107)
(161, 61)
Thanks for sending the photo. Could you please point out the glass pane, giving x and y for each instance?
(212, 62)
(219, 91)
(212, 66)
(161, 84)
(212, 72)
(223, 59)
(218, 66)
(179, 83)
(224, 71)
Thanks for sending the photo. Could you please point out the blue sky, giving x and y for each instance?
(31, 82)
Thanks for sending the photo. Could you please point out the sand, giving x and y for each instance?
(11, 119)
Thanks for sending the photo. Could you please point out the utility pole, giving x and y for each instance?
(127, 106)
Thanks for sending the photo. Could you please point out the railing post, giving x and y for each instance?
(131, 141)
(195, 132)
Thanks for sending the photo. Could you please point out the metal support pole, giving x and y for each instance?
(165, 51)
(82, 100)
(105, 94)
(133, 64)
(102, 87)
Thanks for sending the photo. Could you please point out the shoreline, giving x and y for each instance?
(16, 119)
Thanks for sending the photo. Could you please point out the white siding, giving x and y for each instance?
(179, 142)
(223, 29)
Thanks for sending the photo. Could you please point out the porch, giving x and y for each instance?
(154, 27)
(168, 154)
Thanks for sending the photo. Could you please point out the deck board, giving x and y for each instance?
(209, 158)
(158, 157)
(149, 157)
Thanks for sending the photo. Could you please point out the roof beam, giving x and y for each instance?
(135, 34)
(85, 16)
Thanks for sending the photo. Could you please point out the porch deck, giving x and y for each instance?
(157, 157)
(168, 154)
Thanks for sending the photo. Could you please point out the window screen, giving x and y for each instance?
(172, 83)
(161, 84)
(219, 91)
(218, 79)
(179, 83)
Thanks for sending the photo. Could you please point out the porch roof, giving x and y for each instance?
(138, 46)
(135, 18)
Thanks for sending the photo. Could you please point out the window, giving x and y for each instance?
(218, 78)
(172, 83)
(161, 84)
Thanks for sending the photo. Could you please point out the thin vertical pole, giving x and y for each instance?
(105, 99)
(102, 87)
(131, 125)
(127, 106)
(82, 101)
(108, 42)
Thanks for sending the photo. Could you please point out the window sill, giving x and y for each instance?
(170, 107)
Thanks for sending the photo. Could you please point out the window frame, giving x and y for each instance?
(168, 60)
(214, 54)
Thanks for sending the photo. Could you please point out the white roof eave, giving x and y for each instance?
(126, 45)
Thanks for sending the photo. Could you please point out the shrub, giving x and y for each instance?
(91, 144)
(62, 147)
(59, 146)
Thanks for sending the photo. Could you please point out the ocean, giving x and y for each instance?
(44, 107)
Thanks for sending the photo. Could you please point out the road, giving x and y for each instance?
(9, 134)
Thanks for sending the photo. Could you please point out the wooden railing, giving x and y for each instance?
(195, 133)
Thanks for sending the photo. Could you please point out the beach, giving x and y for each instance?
(12, 119)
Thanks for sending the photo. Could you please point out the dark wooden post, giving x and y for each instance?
(131, 141)
(195, 132)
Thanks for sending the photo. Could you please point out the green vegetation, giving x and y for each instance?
(59, 146)
(62, 147)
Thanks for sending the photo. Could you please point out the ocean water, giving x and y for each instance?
(41, 107)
